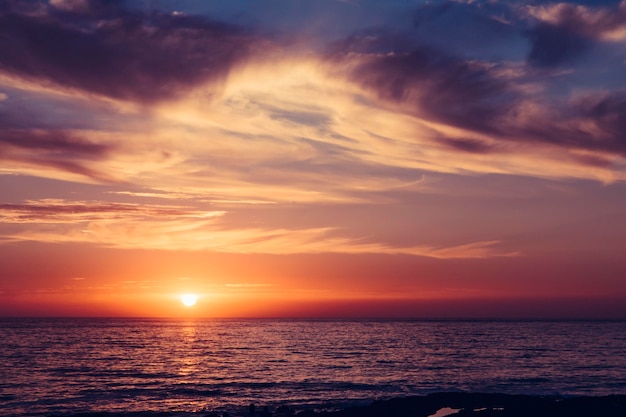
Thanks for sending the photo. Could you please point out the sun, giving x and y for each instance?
(189, 299)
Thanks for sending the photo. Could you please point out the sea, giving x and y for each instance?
(64, 366)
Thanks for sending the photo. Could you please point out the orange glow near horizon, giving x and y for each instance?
(322, 299)
(150, 284)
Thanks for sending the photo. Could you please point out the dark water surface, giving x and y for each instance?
(127, 365)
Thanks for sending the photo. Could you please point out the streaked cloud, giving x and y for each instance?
(155, 104)
(169, 227)
(59, 211)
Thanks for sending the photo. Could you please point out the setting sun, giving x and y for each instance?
(189, 299)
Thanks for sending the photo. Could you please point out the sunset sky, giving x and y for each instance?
(313, 158)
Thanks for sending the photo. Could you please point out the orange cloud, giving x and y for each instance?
(165, 227)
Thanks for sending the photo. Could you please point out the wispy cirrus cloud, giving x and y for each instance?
(169, 227)
(60, 211)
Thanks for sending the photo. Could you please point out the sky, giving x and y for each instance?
(313, 158)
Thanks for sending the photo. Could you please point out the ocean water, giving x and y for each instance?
(68, 366)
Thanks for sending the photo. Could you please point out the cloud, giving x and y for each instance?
(606, 23)
(147, 194)
(426, 82)
(365, 120)
(589, 122)
(423, 82)
(56, 150)
(608, 112)
(61, 211)
(57, 142)
(170, 227)
(470, 250)
(553, 45)
(79, 6)
(566, 31)
(479, 107)
(103, 49)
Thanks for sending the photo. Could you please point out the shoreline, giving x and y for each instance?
(461, 404)
(490, 404)
(440, 404)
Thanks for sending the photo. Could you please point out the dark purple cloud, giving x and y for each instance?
(553, 45)
(59, 143)
(467, 145)
(56, 149)
(425, 80)
(596, 122)
(609, 112)
(567, 31)
(118, 53)
(472, 95)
